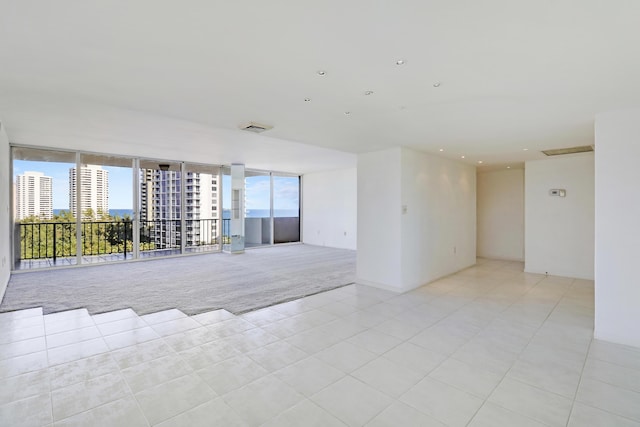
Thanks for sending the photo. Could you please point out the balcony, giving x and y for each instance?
(52, 244)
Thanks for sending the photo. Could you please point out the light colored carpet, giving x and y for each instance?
(194, 284)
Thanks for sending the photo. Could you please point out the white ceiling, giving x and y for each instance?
(183, 75)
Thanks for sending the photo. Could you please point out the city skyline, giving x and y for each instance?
(120, 179)
(286, 189)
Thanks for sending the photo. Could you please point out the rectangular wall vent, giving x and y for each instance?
(255, 127)
(570, 150)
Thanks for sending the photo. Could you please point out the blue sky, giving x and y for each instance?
(286, 192)
(120, 179)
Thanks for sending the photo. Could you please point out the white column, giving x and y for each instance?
(617, 298)
(237, 208)
(6, 222)
(378, 257)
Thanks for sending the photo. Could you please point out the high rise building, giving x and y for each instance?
(146, 194)
(166, 208)
(94, 186)
(201, 191)
(34, 195)
(161, 207)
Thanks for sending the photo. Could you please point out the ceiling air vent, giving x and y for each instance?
(570, 150)
(255, 127)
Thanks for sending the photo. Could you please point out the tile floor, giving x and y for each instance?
(489, 346)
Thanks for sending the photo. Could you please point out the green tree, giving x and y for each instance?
(57, 237)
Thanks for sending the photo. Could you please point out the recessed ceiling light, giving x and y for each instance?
(307, 100)
(462, 157)
(508, 167)
(436, 84)
(442, 149)
(525, 149)
(322, 73)
(479, 161)
(369, 92)
(400, 62)
(346, 113)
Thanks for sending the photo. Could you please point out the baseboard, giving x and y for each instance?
(378, 285)
(409, 288)
(498, 258)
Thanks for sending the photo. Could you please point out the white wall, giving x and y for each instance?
(5, 219)
(559, 231)
(378, 258)
(329, 208)
(500, 210)
(439, 226)
(617, 227)
(436, 235)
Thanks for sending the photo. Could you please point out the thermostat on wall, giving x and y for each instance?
(560, 192)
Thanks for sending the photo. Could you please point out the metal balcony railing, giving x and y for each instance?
(52, 240)
(40, 240)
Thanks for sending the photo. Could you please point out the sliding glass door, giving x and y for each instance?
(272, 208)
(257, 223)
(286, 209)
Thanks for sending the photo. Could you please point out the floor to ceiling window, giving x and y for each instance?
(160, 208)
(44, 232)
(286, 209)
(272, 208)
(82, 208)
(104, 187)
(257, 223)
(202, 221)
